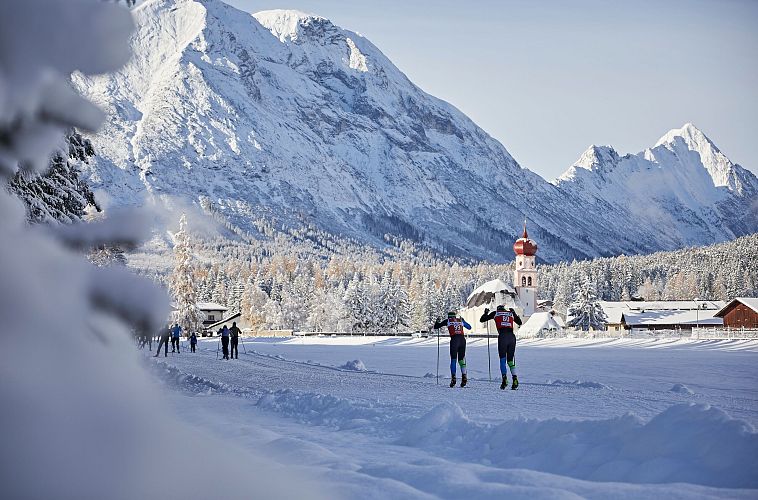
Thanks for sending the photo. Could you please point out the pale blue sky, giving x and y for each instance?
(549, 78)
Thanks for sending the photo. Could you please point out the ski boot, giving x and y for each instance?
(452, 381)
(464, 380)
(504, 384)
(515, 383)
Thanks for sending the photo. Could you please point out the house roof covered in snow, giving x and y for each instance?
(614, 310)
(751, 302)
(538, 322)
(487, 293)
(224, 320)
(675, 317)
(211, 306)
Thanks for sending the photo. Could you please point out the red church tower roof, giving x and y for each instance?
(525, 246)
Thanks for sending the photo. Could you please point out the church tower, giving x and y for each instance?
(525, 273)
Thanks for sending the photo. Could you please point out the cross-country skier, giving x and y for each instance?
(455, 326)
(506, 340)
(164, 336)
(235, 333)
(224, 332)
(176, 333)
(193, 341)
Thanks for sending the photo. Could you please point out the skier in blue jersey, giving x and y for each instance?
(455, 326)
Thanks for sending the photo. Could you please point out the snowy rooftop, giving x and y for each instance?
(211, 306)
(665, 317)
(538, 322)
(486, 293)
(614, 310)
(751, 302)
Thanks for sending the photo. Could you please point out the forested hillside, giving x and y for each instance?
(365, 290)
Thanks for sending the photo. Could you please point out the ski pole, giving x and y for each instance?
(244, 351)
(438, 356)
(489, 357)
(218, 346)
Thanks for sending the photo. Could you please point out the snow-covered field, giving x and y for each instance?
(592, 418)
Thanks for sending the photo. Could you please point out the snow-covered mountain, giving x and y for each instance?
(683, 185)
(287, 117)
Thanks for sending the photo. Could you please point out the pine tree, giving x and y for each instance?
(58, 195)
(181, 282)
(585, 312)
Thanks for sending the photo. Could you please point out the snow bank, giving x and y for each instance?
(682, 389)
(356, 366)
(322, 409)
(687, 443)
(578, 383)
(80, 416)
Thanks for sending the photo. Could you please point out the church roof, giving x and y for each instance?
(486, 293)
(524, 245)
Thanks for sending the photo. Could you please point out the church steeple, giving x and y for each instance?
(525, 246)
(525, 272)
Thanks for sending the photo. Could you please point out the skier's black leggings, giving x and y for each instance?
(225, 346)
(163, 342)
(458, 347)
(506, 344)
(235, 349)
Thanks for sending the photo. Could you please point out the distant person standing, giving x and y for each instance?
(193, 341)
(506, 341)
(224, 332)
(176, 335)
(455, 326)
(235, 333)
(164, 336)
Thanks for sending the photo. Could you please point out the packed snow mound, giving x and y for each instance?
(696, 444)
(682, 389)
(355, 365)
(578, 383)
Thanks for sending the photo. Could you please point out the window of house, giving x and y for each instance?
(211, 317)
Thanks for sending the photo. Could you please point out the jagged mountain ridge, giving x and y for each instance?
(287, 116)
(684, 184)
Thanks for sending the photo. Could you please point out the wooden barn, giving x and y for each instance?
(741, 312)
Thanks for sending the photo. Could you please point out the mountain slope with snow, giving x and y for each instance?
(287, 117)
(684, 185)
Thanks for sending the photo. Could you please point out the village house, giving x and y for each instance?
(741, 312)
(661, 314)
(212, 312)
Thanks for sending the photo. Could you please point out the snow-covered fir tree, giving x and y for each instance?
(58, 195)
(182, 284)
(585, 312)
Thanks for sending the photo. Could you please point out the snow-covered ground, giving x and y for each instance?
(592, 418)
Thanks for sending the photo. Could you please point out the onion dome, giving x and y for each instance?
(525, 246)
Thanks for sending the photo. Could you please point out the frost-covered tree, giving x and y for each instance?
(585, 312)
(58, 195)
(273, 314)
(252, 306)
(181, 282)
